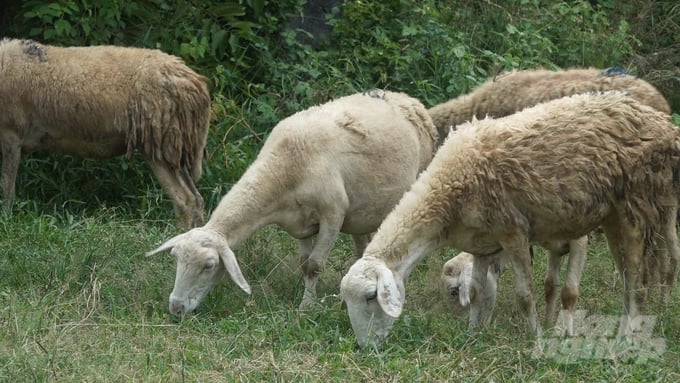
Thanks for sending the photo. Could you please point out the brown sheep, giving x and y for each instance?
(456, 281)
(552, 172)
(102, 102)
(513, 91)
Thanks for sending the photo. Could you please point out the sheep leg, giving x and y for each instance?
(180, 188)
(197, 214)
(11, 155)
(627, 245)
(488, 298)
(669, 255)
(578, 250)
(314, 259)
(309, 295)
(360, 243)
(550, 283)
(652, 267)
(520, 256)
(483, 295)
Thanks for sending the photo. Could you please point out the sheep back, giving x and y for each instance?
(417, 115)
(369, 123)
(513, 91)
(103, 101)
(370, 146)
(554, 171)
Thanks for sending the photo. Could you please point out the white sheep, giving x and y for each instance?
(513, 91)
(105, 101)
(552, 172)
(456, 281)
(338, 167)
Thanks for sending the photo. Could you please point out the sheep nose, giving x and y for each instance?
(176, 308)
(453, 291)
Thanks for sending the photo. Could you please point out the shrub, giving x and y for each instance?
(264, 63)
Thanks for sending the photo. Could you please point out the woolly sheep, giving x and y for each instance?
(456, 280)
(553, 172)
(456, 275)
(338, 167)
(513, 91)
(105, 101)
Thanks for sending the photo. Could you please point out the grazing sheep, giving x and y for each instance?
(456, 281)
(105, 101)
(553, 172)
(456, 277)
(513, 91)
(338, 167)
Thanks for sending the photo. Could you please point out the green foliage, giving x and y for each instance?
(435, 51)
(264, 63)
(79, 302)
(593, 41)
(405, 47)
(73, 22)
(547, 33)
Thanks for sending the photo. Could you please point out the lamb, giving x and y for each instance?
(513, 91)
(456, 280)
(102, 102)
(552, 172)
(338, 167)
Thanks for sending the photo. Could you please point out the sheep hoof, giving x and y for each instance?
(305, 305)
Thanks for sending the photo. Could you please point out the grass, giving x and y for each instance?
(80, 302)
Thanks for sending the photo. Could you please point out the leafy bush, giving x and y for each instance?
(264, 63)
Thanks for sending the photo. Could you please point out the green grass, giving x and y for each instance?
(79, 301)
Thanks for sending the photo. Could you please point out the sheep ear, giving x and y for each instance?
(167, 246)
(464, 282)
(229, 261)
(389, 297)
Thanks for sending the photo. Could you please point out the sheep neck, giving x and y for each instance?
(404, 240)
(418, 249)
(250, 204)
(462, 110)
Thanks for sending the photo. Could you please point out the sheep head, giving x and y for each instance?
(455, 280)
(374, 298)
(199, 253)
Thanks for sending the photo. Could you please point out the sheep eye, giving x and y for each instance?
(371, 296)
(209, 265)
